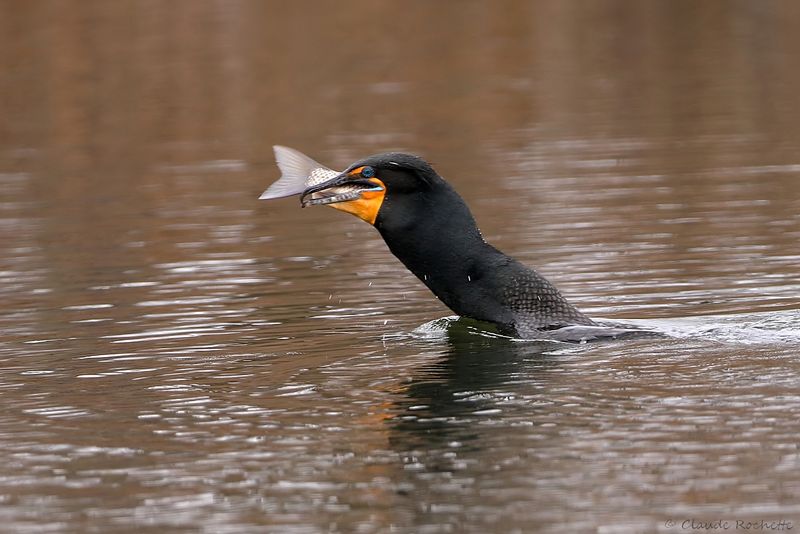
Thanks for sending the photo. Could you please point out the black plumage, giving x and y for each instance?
(428, 226)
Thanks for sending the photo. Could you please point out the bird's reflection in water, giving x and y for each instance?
(454, 400)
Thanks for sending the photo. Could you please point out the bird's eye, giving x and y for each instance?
(367, 172)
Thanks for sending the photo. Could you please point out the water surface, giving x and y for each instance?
(178, 356)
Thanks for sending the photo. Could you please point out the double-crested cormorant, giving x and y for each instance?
(429, 228)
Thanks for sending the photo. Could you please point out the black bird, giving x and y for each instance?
(428, 226)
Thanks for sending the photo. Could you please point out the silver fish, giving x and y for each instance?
(298, 173)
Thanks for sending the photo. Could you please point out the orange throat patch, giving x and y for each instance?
(366, 206)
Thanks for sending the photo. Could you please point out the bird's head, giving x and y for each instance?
(371, 183)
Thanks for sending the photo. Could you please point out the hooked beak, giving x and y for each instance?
(347, 192)
(340, 188)
(311, 196)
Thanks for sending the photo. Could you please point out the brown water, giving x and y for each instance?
(178, 356)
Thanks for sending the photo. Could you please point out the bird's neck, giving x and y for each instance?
(438, 240)
(447, 249)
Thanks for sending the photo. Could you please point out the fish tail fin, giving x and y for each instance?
(295, 169)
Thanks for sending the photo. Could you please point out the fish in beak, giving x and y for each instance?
(298, 173)
(342, 188)
(317, 185)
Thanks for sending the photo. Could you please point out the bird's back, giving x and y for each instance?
(535, 303)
